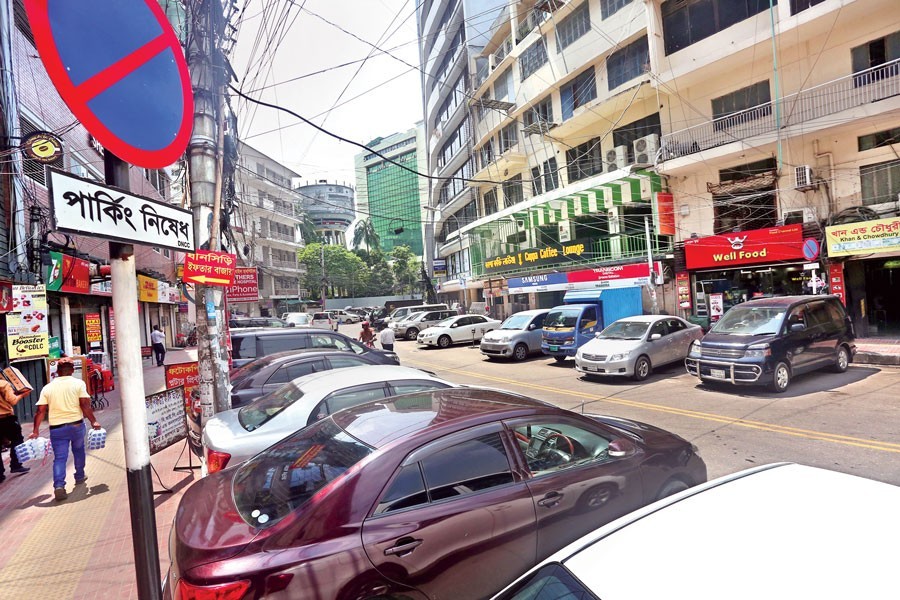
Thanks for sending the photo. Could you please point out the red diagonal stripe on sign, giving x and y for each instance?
(121, 68)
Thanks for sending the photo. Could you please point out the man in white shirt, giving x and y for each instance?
(158, 340)
(386, 338)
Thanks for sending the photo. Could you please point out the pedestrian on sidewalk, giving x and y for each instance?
(158, 339)
(67, 402)
(9, 427)
(386, 338)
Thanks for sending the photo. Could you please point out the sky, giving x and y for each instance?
(360, 101)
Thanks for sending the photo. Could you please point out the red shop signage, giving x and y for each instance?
(836, 281)
(612, 273)
(245, 287)
(745, 247)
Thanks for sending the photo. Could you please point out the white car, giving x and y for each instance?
(297, 319)
(324, 320)
(457, 330)
(233, 436)
(345, 317)
(779, 532)
(634, 346)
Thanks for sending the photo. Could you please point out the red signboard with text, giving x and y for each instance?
(186, 374)
(665, 214)
(246, 286)
(612, 273)
(836, 281)
(209, 268)
(745, 248)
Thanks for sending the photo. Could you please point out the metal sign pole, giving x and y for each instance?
(134, 409)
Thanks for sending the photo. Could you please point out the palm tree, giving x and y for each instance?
(364, 233)
(308, 230)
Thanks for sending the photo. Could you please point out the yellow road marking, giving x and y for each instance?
(750, 424)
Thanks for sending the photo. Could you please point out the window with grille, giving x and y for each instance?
(879, 139)
(801, 5)
(577, 92)
(627, 63)
(627, 134)
(508, 137)
(533, 58)
(490, 202)
(609, 7)
(503, 87)
(584, 160)
(542, 112)
(882, 52)
(742, 106)
(31, 168)
(686, 22)
(880, 182)
(536, 184)
(573, 27)
(512, 191)
(551, 174)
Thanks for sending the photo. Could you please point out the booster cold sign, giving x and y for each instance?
(119, 67)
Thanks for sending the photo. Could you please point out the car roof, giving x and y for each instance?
(325, 382)
(782, 301)
(533, 311)
(280, 331)
(804, 532)
(646, 318)
(384, 421)
(289, 355)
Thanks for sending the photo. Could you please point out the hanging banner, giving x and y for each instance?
(246, 286)
(27, 335)
(165, 418)
(68, 274)
(93, 329)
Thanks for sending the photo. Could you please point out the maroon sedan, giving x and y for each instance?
(443, 494)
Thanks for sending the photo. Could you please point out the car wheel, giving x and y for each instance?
(841, 360)
(559, 359)
(412, 333)
(781, 377)
(672, 487)
(444, 341)
(520, 352)
(642, 368)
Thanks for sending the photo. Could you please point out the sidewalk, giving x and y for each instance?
(81, 548)
(877, 351)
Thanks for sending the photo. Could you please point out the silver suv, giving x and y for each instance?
(411, 327)
(517, 337)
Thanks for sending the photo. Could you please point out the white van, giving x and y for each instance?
(401, 313)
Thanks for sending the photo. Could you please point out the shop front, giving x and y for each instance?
(158, 303)
(866, 264)
(725, 270)
(78, 309)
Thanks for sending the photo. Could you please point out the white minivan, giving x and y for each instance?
(401, 313)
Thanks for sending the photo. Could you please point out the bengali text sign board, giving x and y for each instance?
(166, 424)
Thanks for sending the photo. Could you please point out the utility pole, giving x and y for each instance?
(323, 284)
(204, 154)
(651, 282)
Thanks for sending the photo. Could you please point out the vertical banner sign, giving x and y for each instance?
(93, 330)
(665, 213)
(683, 290)
(187, 377)
(836, 281)
(27, 335)
(716, 306)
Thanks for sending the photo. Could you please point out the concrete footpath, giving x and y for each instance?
(877, 351)
(81, 548)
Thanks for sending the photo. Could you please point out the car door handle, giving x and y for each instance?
(403, 547)
(550, 500)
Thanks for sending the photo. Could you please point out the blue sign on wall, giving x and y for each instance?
(532, 282)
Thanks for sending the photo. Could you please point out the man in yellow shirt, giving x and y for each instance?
(67, 401)
(9, 426)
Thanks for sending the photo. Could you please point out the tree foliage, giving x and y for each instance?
(364, 233)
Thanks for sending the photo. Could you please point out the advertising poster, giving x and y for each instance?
(6, 303)
(716, 307)
(836, 281)
(165, 418)
(187, 376)
(93, 329)
(246, 286)
(683, 290)
(27, 335)
(68, 274)
(148, 289)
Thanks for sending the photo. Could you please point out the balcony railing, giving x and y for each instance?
(504, 49)
(281, 264)
(858, 89)
(481, 75)
(534, 18)
(284, 237)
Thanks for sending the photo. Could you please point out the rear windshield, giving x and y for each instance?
(282, 478)
(265, 407)
(321, 316)
(566, 317)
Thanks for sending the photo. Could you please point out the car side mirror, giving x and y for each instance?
(655, 336)
(532, 327)
(454, 325)
(621, 448)
(796, 327)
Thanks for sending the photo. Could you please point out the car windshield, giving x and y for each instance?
(282, 478)
(261, 410)
(446, 322)
(750, 320)
(624, 330)
(248, 370)
(516, 322)
(564, 317)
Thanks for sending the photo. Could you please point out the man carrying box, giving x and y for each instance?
(9, 425)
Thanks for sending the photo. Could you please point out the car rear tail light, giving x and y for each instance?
(216, 461)
(234, 590)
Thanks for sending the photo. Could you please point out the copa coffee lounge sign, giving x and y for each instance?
(745, 248)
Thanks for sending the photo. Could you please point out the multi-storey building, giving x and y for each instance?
(330, 208)
(390, 195)
(451, 34)
(266, 222)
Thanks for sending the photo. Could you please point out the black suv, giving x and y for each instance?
(250, 344)
(770, 340)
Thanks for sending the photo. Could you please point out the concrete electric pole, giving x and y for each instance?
(204, 154)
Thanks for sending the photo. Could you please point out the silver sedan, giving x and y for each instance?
(233, 436)
(633, 346)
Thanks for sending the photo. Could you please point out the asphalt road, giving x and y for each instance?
(846, 422)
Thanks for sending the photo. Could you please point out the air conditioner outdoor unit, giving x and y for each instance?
(803, 178)
(799, 215)
(617, 158)
(645, 149)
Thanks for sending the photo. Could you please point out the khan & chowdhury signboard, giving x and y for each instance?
(745, 248)
(868, 237)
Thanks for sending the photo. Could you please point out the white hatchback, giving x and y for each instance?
(781, 531)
